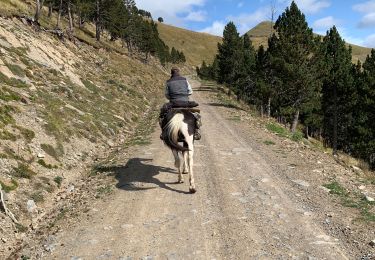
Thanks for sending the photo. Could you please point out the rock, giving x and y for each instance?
(31, 206)
(70, 189)
(40, 155)
(372, 243)
(110, 143)
(369, 199)
(302, 183)
(25, 100)
(4, 240)
(356, 169)
(362, 187)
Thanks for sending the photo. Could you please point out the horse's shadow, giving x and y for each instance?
(137, 172)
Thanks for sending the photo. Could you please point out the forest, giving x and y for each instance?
(306, 81)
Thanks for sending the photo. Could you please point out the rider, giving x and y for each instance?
(178, 90)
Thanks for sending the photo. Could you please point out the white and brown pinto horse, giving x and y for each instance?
(180, 127)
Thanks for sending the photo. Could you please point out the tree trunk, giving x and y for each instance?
(335, 121)
(261, 110)
(97, 23)
(70, 17)
(39, 5)
(269, 107)
(59, 15)
(295, 122)
(50, 10)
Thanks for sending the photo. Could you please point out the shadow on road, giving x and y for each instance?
(224, 105)
(137, 172)
(207, 89)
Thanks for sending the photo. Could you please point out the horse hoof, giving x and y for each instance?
(192, 190)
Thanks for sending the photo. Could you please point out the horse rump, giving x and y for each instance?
(171, 130)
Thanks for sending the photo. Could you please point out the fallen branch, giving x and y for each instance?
(6, 210)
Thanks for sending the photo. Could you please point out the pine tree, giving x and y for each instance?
(293, 58)
(230, 56)
(339, 95)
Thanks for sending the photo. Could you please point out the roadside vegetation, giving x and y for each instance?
(305, 81)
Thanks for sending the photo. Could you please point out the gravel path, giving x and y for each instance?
(242, 209)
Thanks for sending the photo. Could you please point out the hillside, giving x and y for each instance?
(196, 46)
(260, 33)
(63, 105)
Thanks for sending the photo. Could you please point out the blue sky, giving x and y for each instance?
(355, 20)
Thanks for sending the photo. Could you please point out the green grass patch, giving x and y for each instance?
(335, 188)
(9, 188)
(56, 153)
(37, 196)
(16, 70)
(46, 165)
(23, 171)
(268, 142)
(8, 95)
(103, 190)
(58, 180)
(28, 134)
(6, 115)
(91, 86)
(353, 200)
(277, 129)
(6, 135)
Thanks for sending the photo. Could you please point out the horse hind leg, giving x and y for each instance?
(186, 162)
(178, 165)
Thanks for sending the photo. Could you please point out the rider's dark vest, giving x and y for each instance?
(178, 89)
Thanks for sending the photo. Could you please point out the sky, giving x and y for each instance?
(354, 19)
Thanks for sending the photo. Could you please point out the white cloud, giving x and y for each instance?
(367, 21)
(309, 6)
(370, 41)
(348, 38)
(365, 7)
(326, 23)
(246, 21)
(368, 8)
(199, 16)
(216, 28)
(173, 11)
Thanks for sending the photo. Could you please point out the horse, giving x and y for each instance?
(180, 127)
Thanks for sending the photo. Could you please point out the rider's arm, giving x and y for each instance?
(190, 90)
(166, 92)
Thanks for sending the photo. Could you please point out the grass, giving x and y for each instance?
(6, 135)
(46, 165)
(8, 95)
(9, 188)
(58, 180)
(5, 115)
(283, 132)
(56, 153)
(37, 196)
(196, 46)
(23, 171)
(353, 200)
(268, 142)
(28, 134)
(16, 70)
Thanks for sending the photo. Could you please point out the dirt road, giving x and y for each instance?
(242, 209)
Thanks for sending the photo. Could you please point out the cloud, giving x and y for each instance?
(368, 8)
(246, 21)
(173, 11)
(309, 6)
(326, 23)
(199, 16)
(365, 7)
(370, 41)
(367, 21)
(216, 28)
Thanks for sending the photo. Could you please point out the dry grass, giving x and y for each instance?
(196, 46)
(15, 7)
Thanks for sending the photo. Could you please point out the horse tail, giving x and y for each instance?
(171, 132)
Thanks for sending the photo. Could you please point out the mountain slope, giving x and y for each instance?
(196, 46)
(260, 33)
